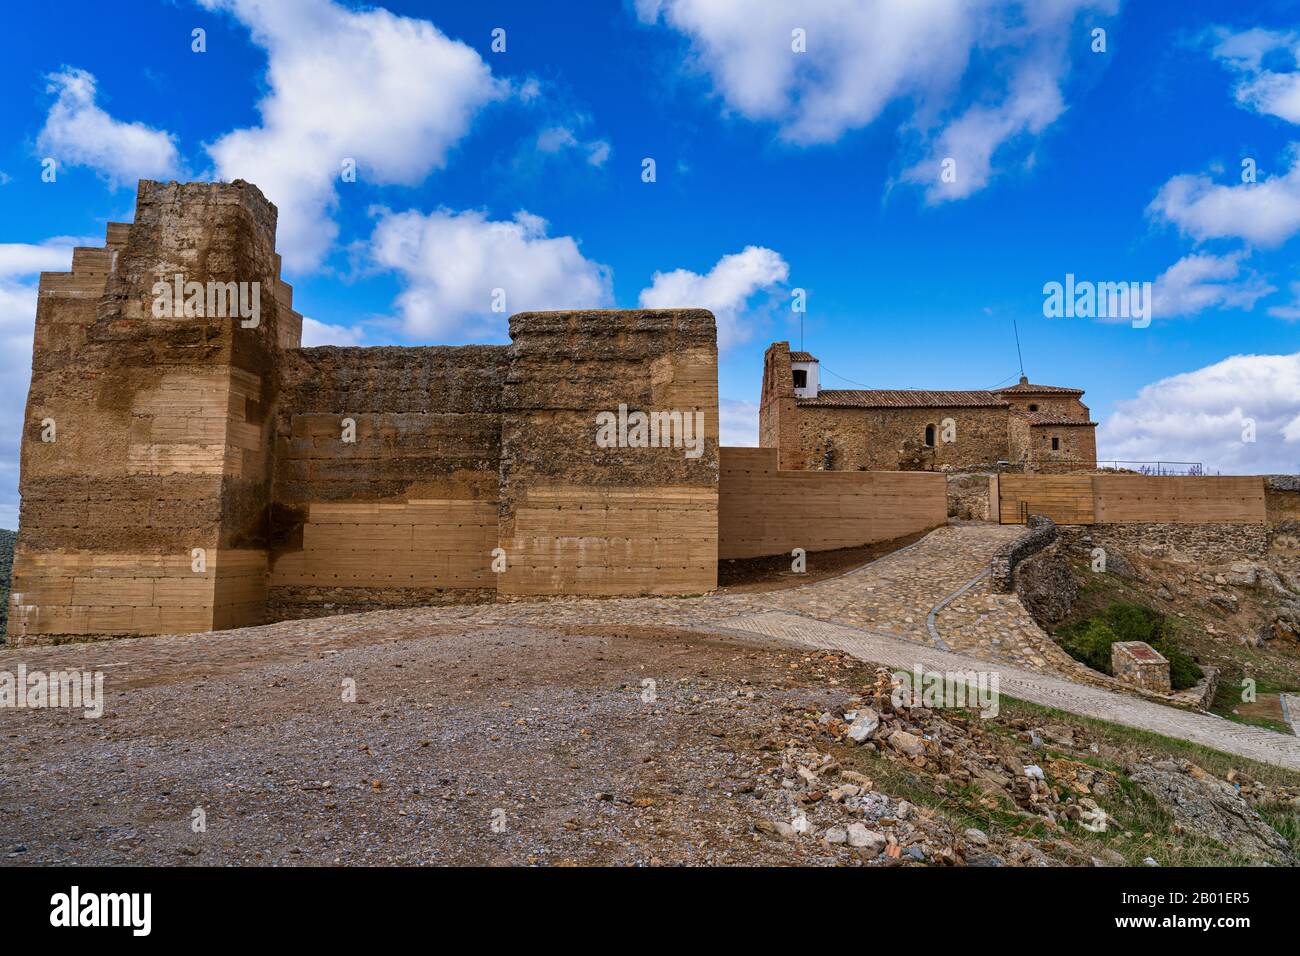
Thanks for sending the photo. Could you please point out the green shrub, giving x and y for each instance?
(1184, 672)
(1091, 645)
(1132, 622)
(1089, 641)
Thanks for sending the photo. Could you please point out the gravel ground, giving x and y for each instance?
(501, 745)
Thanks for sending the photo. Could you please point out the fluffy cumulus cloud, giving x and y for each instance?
(737, 423)
(726, 290)
(1267, 65)
(322, 333)
(1202, 281)
(78, 132)
(20, 266)
(1265, 213)
(392, 93)
(1209, 414)
(464, 273)
(975, 74)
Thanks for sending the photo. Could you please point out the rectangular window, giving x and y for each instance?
(1056, 444)
(800, 378)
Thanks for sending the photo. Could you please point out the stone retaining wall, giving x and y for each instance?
(1201, 543)
(1045, 584)
(1041, 533)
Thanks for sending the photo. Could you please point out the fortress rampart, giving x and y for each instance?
(185, 471)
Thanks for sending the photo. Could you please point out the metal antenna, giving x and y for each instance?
(1018, 355)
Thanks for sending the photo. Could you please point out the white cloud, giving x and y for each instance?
(1265, 213)
(1006, 59)
(1291, 311)
(725, 290)
(390, 92)
(556, 140)
(451, 263)
(321, 333)
(737, 423)
(20, 264)
(78, 132)
(1201, 281)
(1201, 416)
(1260, 89)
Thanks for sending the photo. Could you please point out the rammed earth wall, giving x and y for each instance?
(183, 473)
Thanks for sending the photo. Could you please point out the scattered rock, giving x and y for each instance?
(864, 725)
(867, 840)
(1243, 574)
(905, 743)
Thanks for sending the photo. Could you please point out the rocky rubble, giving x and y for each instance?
(1276, 589)
(821, 793)
(822, 798)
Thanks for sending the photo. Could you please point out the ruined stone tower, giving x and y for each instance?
(145, 467)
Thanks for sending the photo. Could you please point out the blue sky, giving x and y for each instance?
(775, 170)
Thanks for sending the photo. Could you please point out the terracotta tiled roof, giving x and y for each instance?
(802, 357)
(1030, 388)
(902, 398)
(1046, 418)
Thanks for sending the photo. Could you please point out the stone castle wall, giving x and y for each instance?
(403, 513)
(577, 518)
(183, 473)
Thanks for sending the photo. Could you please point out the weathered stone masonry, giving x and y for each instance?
(1034, 428)
(199, 478)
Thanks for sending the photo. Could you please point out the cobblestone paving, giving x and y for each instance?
(894, 595)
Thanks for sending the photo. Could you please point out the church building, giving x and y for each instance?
(1034, 428)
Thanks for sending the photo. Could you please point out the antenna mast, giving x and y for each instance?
(1018, 355)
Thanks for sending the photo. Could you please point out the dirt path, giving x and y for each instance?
(489, 746)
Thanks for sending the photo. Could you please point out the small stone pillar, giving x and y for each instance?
(1137, 663)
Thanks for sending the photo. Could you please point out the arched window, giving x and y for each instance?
(929, 436)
